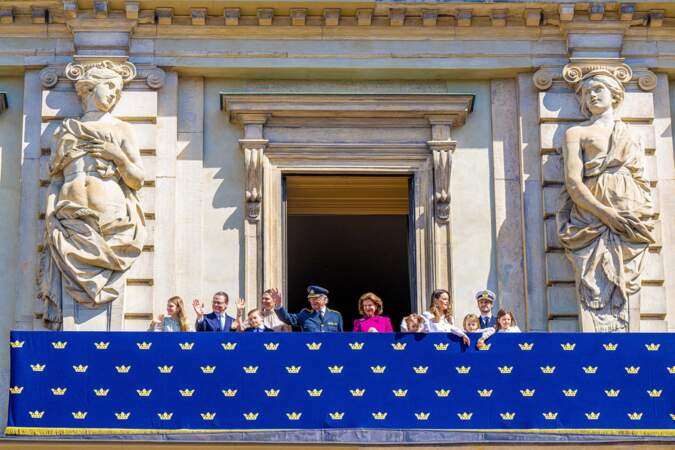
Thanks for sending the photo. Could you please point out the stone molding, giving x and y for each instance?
(571, 73)
(153, 76)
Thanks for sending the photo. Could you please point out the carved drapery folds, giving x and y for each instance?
(442, 158)
(254, 150)
(94, 223)
(604, 220)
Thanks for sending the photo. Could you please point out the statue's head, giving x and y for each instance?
(598, 92)
(100, 84)
(100, 87)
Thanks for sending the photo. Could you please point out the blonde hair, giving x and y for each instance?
(433, 308)
(377, 301)
(470, 318)
(182, 318)
(414, 318)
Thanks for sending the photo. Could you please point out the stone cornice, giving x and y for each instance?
(171, 17)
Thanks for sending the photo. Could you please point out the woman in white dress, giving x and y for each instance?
(438, 318)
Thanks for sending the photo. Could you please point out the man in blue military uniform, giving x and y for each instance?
(319, 319)
(486, 299)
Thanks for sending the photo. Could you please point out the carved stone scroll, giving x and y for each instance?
(442, 158)
(253, 160)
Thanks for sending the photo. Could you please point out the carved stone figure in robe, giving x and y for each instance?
(603, 221)
(94, 227)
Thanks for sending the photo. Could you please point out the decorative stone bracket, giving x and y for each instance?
(442, 158)
(254, 150)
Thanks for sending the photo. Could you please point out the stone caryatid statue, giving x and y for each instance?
(94, 227)
(603, 221)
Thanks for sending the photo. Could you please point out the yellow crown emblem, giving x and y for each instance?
(632, 370)
(37, 367)
(441, 346)
(293, 369)
(635, 416)
(186, 392)
(336, 415)
(356, 345)
(547, 369)
(610, 347)
(463, 370)
(271, 346)
(592, 415)
(58, 345)
(15, 390)
(229, 345)
(313, 345)
(101, 345)
(570, 392)
(293, 415)
(655, 393)
(484, 347)
(568, 346)
(165, 415)
(101, 392)
(653, 347)
(144, 345)
(36, 414)
(357, 392)
(314, 392)
(80, 368)
(122, 415)
(16, 344)
(527, 392)
(400, 392)
(671, 370)
(525, 346)
(335, 369)
(165, 369)
(485, 392)
(672, 416)
(250, 369)
(442, 392)
(421, 369)
(379, 415)
(465, 416)
(208, 369)
(507, 415)
(59, 391)
(505, 369)
(208, 415)
(378, 369)
(612, 392)
(229, 392)
(122, 369)
(399, 346)
(550, 415)
(144, 392)
(186, 345)
(272, 392)
(590, 369)
(422, 415)
(79, 415)
(251, 416)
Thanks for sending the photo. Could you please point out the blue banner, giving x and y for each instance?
(100, 383)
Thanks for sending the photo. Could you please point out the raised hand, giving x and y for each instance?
(198, 307)
(466, 340)
(276, 296)
(241, 305)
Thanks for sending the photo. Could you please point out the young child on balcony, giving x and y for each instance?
(174, 319)
(414, 323)
(471, 323)
(255, 322)
(506, 323)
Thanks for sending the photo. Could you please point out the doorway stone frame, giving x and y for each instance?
(428, 162)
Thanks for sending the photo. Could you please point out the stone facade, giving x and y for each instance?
(468, 98)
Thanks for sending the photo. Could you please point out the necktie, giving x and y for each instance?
(221, 321)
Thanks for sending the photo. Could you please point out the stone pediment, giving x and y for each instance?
(451, 109)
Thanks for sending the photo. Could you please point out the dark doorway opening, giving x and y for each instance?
(350, 235)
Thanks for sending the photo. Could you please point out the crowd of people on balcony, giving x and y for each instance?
(272, 316)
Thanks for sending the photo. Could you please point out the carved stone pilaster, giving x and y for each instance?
(442, 157)
(254, 150)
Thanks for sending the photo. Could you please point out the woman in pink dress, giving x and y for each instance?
(370, 306)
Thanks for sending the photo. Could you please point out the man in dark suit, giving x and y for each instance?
(217, 320)
(486, 299)
(319, 319)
